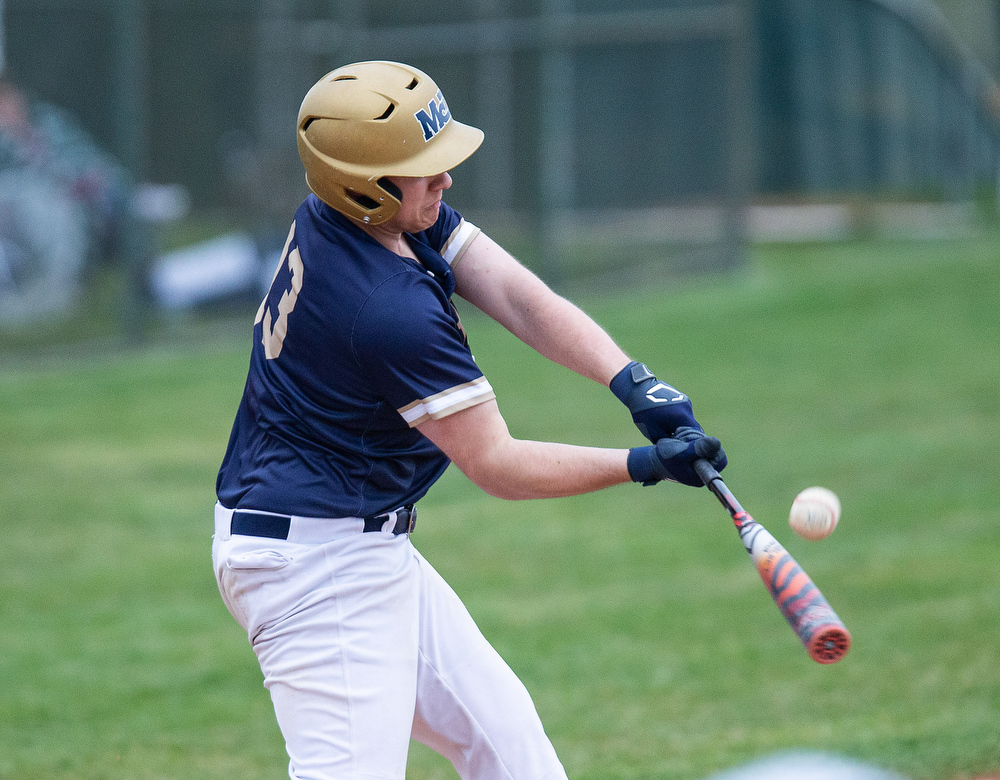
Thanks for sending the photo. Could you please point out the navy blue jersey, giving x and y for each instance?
(354, 346)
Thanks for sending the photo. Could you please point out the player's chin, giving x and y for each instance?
(429, 216)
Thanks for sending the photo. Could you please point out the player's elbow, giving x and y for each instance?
(493, 478)
(508, 492)
(503, 470)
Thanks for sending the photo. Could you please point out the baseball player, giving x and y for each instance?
(361, 390)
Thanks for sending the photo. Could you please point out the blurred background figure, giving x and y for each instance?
(62, 201)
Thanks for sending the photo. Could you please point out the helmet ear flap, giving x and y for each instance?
(366, 208)
(361, 199)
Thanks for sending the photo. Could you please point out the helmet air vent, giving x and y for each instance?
(412, 84)
(386, 113)
(363, 200)
(390, 187)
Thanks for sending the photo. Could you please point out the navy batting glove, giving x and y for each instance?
(673, 458)
(658, 409)
(707, 447)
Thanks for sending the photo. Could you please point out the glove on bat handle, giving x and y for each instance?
(807, 611)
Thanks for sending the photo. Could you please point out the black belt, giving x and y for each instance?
(249, 523)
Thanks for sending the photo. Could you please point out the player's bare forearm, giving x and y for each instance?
(478, 442)
(537, 469)
(493, 281)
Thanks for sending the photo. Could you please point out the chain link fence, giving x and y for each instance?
(625, 141)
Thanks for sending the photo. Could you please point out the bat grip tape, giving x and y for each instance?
(705, 470)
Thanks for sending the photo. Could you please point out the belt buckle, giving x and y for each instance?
(394, 520)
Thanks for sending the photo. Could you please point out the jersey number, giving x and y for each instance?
(275, 327)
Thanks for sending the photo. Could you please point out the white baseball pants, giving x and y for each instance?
(363, 645)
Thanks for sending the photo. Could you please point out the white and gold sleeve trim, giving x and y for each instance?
(449, 401)
(458, 242)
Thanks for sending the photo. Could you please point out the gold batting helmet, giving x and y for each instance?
(365, 121)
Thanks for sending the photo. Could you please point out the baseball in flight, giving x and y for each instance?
(815, 513)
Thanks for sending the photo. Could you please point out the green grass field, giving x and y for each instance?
(633, 615)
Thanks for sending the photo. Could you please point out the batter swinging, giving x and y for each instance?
(361, 390)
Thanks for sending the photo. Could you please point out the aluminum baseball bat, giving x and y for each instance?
(824, 635)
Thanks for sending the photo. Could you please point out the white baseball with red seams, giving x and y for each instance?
(815, 513)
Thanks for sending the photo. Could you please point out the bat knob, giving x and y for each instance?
(829, 645)
(707, 447)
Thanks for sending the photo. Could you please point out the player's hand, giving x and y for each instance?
(658, 409)
(673, 458)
